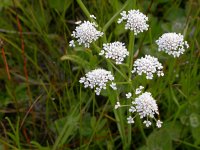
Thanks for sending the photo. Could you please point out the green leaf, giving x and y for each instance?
(93, 122)
(76, 59)
(86, 129)
(160, 140)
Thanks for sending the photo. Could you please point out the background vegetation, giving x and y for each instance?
(42, 104)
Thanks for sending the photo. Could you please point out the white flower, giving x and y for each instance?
(172, 44)
(92, 16)
(139, 90)
(86, 33)
(113, 86)
(132, 109)
(147, 123)
(148, 65)
(130, 120)
(159, 123)
(97, 79)
(78, 22)
(71, 43)
(128, 95)
(146, 105)
(116, 51)
(117, 105)
(135, 21)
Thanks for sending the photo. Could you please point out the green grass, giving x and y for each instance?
(51, 110)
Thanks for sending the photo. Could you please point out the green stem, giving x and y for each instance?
(85, 10)
(115, 16)
(118, 116)
(124, 76)
(138, 121)
(131, 50)
(130, 64)
(97, 123)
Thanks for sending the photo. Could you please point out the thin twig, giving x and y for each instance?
(5, 63)
(23, 53)
(27, 113)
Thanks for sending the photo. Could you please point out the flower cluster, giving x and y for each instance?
(86, 33)
(148, 65)
(116, 51)
(172, 44)
(145, 106)
(98, 79)
(135, 21)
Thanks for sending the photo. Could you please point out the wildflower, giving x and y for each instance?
(116, 51)
(159, 123)
(135, 21)
(86, 33)
(139, 90)
(128, 95)
(148, 65)
(92, 16)
(71, 43)
(130, 120)
(97, 79)
(132, 109)
(146, 105)
(172, 44)
(78, 22)
(117, 105)
(113, 86)
(147, 123)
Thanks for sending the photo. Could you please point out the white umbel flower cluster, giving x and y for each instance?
(86, 33)
(148, 65)
(116, 51)
(145, 106)
(172, 44)
(135, 21)
(98, 79)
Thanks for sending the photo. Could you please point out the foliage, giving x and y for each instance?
(47, 108)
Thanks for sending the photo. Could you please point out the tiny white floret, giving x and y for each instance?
(159, 123)
(71, 43)
(117, 105)
(130, 120)
(132, 109)
(147, 123)
(128, 95)
(92, 16)
(113, 86)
